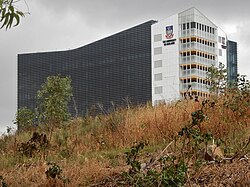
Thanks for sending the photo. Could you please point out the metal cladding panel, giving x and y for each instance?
(106, 72)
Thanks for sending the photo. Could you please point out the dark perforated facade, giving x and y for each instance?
(232, 61)
(106, 72)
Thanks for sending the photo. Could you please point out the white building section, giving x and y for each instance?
(184, 46)
(165, 60)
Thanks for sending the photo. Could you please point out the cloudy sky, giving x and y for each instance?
(63, 24)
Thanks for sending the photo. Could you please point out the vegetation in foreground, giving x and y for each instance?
(191, 142)
(167, 145)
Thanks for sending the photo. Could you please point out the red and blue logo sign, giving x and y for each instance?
(169, 32)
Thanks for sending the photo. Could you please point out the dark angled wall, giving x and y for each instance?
(104, 72)
(232, 61)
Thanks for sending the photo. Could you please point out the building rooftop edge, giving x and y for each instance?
(65, 50)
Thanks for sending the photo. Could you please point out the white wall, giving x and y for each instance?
(222, 58)
(170, 62)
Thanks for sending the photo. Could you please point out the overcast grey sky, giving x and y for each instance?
(59, 25)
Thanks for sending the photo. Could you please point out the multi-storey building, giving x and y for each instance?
(183, 47)
(153, 61)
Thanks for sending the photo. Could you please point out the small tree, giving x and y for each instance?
(24, 118)
(53, 99)
(217, 78)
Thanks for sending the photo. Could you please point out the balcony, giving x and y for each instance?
(199, 33)
(193, 72)
(197, 46)
(196, 59)
(194, 86)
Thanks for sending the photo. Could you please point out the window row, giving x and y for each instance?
(199, 26)
(194, 66)
(222, 40)
(196, 80)
(198, 53)
(198, 40)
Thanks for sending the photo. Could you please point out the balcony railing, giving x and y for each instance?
(197, 46)
(194, 86)
(196, 59)
(195, 32)
(193, 72)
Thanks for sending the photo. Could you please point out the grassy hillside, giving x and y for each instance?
(177, 136)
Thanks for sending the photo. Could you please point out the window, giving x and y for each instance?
(157, 37)
(192, 24)
(158, 63)
(158, 90)
(200, 26)
(219, 39)
(158, 77)
(220, 52)
(187, 25)
(184, 26)
(223, 40)
(157, 50)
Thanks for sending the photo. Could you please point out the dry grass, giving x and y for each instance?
(235, 174)
(88, 150)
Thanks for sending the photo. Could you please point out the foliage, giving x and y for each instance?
(9, 14)
(192, 136)
(216, 77)
(171, 173)
(131, 157)
(61, 139)
(237, 97)
(24, 118)
(88, 145)
(53, 98)
(55, 172)
(37, 144)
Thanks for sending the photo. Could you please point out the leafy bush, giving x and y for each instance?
(55, 172)
(37, 144)
(172, 172)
